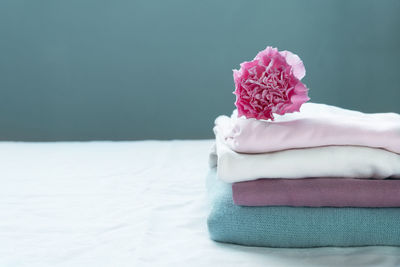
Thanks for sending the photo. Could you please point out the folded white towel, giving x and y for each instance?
(329, 161)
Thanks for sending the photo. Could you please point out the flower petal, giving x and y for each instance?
(294, 60)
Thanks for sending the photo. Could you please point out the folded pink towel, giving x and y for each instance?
(333, 192)
(315, 125)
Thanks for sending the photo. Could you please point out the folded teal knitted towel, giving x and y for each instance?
(297, 226)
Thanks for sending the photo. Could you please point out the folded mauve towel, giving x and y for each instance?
(318, 192)
(315, 125)
(297, 226)
(318, 162)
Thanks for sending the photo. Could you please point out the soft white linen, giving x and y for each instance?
(128, 204)
(315, 125)
(330, 161)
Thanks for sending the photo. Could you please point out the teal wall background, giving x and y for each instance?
(157, 69)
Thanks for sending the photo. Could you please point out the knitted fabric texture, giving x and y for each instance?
(297, 226)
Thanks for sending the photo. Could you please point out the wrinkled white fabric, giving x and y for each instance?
(329, 161)
(128, 204)
(315, 125)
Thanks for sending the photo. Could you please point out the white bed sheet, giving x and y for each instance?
(128, 204)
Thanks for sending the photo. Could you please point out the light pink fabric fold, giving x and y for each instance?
(314, 126)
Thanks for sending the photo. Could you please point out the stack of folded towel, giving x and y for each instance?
(324, 176)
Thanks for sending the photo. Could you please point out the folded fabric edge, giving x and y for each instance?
(318, 192)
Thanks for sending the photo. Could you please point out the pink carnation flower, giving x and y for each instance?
(270, 83)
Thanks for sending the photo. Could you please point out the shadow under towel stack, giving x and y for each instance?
(324, 176)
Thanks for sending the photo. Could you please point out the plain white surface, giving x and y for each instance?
(128, 204)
